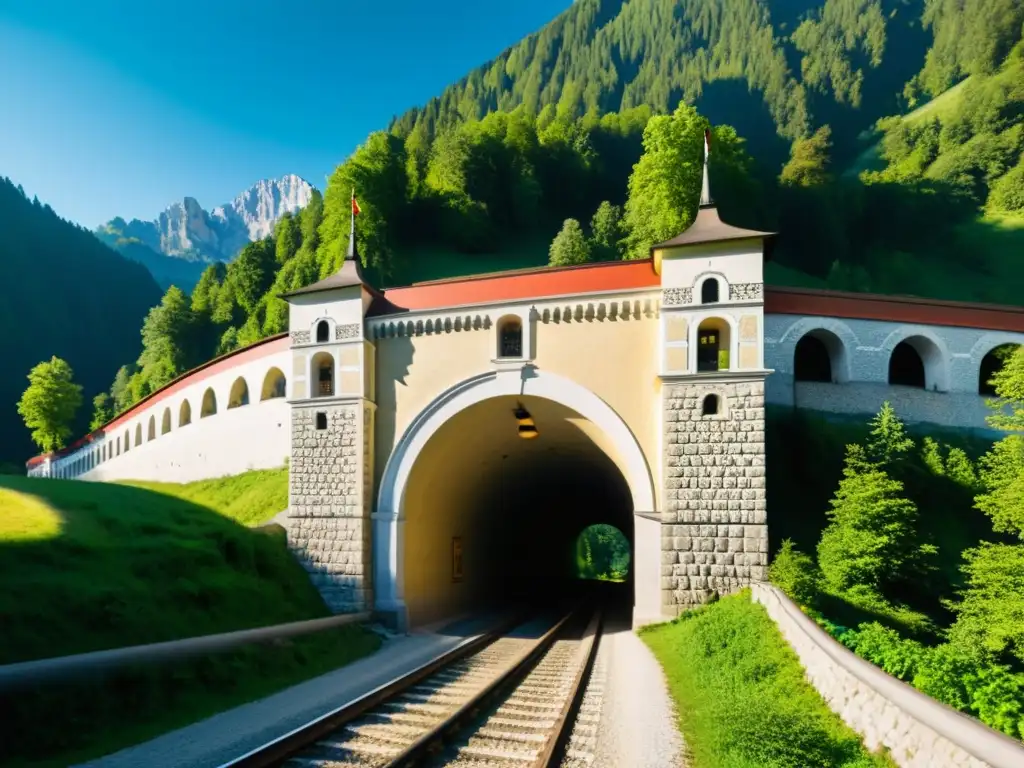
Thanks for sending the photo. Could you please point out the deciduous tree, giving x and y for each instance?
(49, 404)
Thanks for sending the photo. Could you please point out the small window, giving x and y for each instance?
(709, 291)
(321, 420)
(323, 331)
(510, 339)
(710, 407)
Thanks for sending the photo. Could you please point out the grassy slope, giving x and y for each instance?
(741, 695)
(87, 566)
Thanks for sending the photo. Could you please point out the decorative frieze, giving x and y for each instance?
(432, 325)
(600, 311)
(300, 337)
(674, 297)
(349, 331)
(746, 291)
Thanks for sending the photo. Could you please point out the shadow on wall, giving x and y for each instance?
(394, 363)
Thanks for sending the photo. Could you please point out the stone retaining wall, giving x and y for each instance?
(918, 731)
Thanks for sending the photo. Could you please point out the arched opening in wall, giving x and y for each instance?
(274, 384)
(494, 519)
(165, 422)
(127, 440)
(709, 291)
(709, 406)
(323, 331)
(322, 367)
(184, 414)
(151, 432)
(138, 435)
(209, 407)
(819, 356)
(713, 345)
(991, 364)
(239, 395)
(602, 554)
(510, 337)
(917, 362)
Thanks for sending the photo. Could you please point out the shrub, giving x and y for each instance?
(795, 573)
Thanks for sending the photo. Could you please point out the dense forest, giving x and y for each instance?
(63, 293)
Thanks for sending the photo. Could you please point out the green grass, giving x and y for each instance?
(741, 696)
(89, 566)
(251, 498)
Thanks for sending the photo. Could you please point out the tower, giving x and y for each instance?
(331, 472)
(714, 532)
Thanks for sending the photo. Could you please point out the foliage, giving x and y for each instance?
(570, 246)
(809, 161)
(949, 673)
(138, 566)
(795, 573)
(606, 229)
(602, 553)
(741, 695)
(62, 294)
(102, 410)
(49, 403)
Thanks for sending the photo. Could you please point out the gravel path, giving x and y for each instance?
(214, 741)
(638, 722)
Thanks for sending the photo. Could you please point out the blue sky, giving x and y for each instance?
(112, 108)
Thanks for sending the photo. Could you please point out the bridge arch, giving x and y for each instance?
(528, 382)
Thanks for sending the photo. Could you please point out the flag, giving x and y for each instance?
(355, 207)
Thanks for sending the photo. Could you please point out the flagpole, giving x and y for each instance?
(352, 228)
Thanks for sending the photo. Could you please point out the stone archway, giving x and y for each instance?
(389, 519)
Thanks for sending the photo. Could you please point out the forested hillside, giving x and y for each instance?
(64, 293)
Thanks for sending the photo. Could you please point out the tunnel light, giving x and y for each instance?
(527, 429)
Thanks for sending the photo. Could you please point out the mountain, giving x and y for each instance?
(63, 293)
(776, 70)
(194, 237)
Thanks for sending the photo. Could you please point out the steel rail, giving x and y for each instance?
(553, 753)
(68, 668)
(283, 747)
(521, 666)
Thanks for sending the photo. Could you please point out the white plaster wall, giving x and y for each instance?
(867, 346)
(734, 262)
(252, 436)
(343, 306)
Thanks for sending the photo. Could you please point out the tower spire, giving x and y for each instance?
(352, 253)
(705, 187)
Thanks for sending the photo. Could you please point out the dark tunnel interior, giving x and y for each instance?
(492, 519)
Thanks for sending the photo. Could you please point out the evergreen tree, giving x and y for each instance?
(102, 410)
(287, 238)
(569, 246)
(606, 226)
(49, 403)
(809, 160)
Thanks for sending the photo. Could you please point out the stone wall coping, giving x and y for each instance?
(970, 735)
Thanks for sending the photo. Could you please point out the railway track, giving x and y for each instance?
(508, 699)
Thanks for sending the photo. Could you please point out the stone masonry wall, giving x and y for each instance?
(329, 528)
(919, 732)
(715, 533)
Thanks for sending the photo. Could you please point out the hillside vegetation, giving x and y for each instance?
(63, 293)
(89, 566)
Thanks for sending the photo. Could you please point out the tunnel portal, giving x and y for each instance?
(492, 518)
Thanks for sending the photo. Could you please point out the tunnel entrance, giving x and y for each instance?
(493, 518)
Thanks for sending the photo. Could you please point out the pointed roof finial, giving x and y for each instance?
(705, 187)
(352, 252)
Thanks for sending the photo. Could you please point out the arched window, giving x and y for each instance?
(165, 422)
(239, 394)
(273, 385)
(184, 414)
(811, 360)
(323, 374)
(323, 331)
(151, 432)
(906, 368)
(991, 364)
(510, 337)
(209, 407)
(709, 291)
(710, 405)
(138, 434)
(713, 346)
(127, 440)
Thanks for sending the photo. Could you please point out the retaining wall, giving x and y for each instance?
(918, 731)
